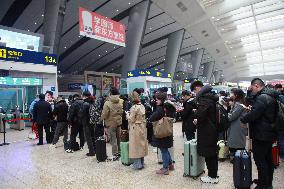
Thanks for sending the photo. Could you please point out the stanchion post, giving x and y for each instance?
(4, 125)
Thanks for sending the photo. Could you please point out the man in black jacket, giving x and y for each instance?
(207, 134)
(60, 112)
(89, 129)
(261, 119)
(42, 114)
(187, 115)
(74, 119)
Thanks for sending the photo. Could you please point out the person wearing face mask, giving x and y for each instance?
(261, 119)
(237, 132)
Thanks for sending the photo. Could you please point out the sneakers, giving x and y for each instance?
(69, 151)
(115, 158)
(162, 171)
(171, 167)
(210, 180)
(52, 146)
(81, 148)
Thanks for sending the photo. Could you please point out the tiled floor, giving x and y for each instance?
(25, 165)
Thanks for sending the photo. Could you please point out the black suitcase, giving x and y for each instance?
(242, 170)
(101, 149)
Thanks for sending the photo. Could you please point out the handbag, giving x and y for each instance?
(124, 136)
(163, 128)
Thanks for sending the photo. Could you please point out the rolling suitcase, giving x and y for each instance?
(242, 170)
(159, 155)
(101, 149)
(223, 153)
(194, 164)
(124, 154)
(275, 154)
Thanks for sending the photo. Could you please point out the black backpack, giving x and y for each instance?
(279, 122)
(222, 120)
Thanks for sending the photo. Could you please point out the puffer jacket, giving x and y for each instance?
(61, 111)
(207, 134)
(85, 111)
(262, 117)
(112, 111)
(74, 117)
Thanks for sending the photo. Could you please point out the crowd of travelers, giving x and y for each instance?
(257, 112)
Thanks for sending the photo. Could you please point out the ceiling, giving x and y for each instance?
(245, 37)
(78, 53)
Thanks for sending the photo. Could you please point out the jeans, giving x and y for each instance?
(262, 154)
(114, 133)
(212, 166)
(62, 127)
(166, 156)
(281, 145)
(138, 163)
(75, 129)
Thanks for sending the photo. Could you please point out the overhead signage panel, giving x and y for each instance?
(151, 72)
(20, 81)
(18, 55)
(99, 27)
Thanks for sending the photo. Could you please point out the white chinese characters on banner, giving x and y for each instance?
(102, 28)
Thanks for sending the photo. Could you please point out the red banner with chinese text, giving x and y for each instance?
(99, 27)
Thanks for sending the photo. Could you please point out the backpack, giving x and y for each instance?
(95, 113)
(80, 112)
(222, 120)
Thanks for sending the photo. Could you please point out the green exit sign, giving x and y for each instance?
(20, 81)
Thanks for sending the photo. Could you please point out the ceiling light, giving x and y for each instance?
(129, 3)
(164, 59)
(99, 55)
(197, 48)
(150, 28)
(208, 57)
(106, 51)
(157, 62)
(217, 19)
(79, 36)
(231, 47)
(35, 23)
(223, 29)
(42, 15)
(65, 47)
(212, 17)
(150, 65)
(106, 72)
(117, 10)
(28, 30)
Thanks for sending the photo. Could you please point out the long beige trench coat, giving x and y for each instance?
(138, 144)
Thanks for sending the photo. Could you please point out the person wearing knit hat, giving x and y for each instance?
(138, 145)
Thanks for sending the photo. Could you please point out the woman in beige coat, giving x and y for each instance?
(138, 144)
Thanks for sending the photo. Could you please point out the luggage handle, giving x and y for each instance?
(191, 161)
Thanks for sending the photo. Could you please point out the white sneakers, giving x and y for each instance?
(210, 180)
(52, 146)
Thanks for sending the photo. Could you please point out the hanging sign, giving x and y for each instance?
(151, 72)
(99, 27)
(19, 55)
(20, 81)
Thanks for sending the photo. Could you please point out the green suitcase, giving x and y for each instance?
(124, 154)
(194, 164)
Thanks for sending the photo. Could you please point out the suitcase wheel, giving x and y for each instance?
(185, 175)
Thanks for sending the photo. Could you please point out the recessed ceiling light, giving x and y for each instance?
(28, 30)
(164, 59)
(150, 28)
(218, 19)
(129, 3)
(65, 47)
(106, 51)
(79, 36)
(35, 23)
(150, 65)
(231, 47)
(208, 57)
(106, 72)
(117, 10)
(197, 48)
(42, 15)
(99, 55)
(157, 62)
(223, 29)
(212, 17)
(235, 56)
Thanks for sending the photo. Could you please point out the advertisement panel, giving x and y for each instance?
(99, 27)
